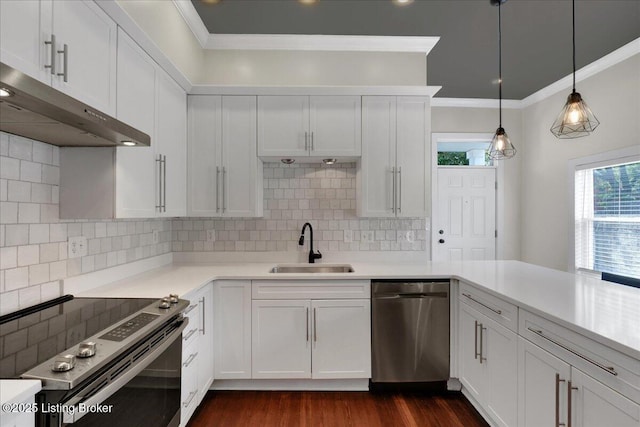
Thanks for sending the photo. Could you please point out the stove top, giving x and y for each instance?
(29, 338)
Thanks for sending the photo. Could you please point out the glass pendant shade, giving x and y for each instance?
(575, 120)
(501, 146)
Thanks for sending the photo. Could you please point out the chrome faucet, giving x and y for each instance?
(312, 255)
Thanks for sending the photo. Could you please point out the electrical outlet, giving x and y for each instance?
(211, 235)
(367, 236)
(156, 237)
(348, 236)
(77, 247)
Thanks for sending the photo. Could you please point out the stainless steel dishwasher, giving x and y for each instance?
(410, 331)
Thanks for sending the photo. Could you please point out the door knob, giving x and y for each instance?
(440, 231)
(441, 241)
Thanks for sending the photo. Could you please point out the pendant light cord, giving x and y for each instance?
(573, 30)
(500, 62)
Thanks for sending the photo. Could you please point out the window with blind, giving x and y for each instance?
(607, 218)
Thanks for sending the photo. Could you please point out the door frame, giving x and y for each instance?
(465, 137)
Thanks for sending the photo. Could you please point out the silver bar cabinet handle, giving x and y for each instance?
(159, 163)
(484, 305)
(609, 369)
(482, 329)
(190, 398)
(224, 189)
(312, 141)
(569, 390)
(315, 328)
(164, 183)
(191, 307)
(191, 332)
(393, 193)
(307, 324)
(558, 381)
(65, 63)
(217, 186)
(52, 47)
(203, 316)
(306, 143)
(475, 340)
(192, 356)
(400, 188)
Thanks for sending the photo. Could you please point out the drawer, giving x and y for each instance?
(310, 289)
(189, 383)
(493, 307)
(614, 369)
(191, 331)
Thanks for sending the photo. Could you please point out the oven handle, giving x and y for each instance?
(71, 417)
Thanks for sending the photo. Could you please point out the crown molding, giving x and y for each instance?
(476, 103)
(193, 20)
(310, 42)
(625, 52)
(316, 90)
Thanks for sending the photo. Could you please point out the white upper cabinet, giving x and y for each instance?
(136, 106)
(24, 27)
(68, 44)
(225, 174)
(283, 126)
(170, 147)
(86, 41)
(304, 126)
(392, 176)
(335, 125)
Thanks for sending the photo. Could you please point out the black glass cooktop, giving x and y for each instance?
(30, 337)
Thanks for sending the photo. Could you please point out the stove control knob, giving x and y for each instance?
(86, 349)
(173, 298)
(64, 363)
(165, 303)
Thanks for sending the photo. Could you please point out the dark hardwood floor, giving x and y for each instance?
(306, 409)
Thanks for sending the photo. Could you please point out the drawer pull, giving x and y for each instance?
(484, 305)
(191, 307)
(189, 360)
(609, 369)
(186, 337)
(190, 398)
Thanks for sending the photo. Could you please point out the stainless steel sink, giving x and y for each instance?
(312, 268)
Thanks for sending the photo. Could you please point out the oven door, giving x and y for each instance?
(141, 389)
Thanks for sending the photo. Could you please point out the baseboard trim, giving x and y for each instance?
(293, 385)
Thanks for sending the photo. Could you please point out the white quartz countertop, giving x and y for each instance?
(17, 391)
(606, 312)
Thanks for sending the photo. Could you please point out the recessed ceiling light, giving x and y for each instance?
(308, 1)
(128, 143)
(287, 161)
(402, 2)
(4, 92)
(329, 161)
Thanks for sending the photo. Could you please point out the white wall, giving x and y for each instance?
(485, 120)
(614, 96)
(302, 68)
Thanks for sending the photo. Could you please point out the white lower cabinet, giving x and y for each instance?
(197, 351)
(552, 392)
(318, 339)
(232, 329)
(488, 365)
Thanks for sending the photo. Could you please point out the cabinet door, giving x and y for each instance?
(91, 37)
(413, 133)
(375, 179)
(341, 338)
(596, 405)
(335, 124)
(232, 329)
(24, 27)
(500, 348)
(472, 372)
(242, 171)
(283, 126)
(189, 381)
(542, 386)
(135, 182)
(281, 339)
(204, 148)
(171, 139)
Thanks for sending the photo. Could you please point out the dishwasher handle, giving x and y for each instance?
(413, 295)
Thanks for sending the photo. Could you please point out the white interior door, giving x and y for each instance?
(465, 228)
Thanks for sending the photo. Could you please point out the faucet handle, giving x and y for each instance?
(317, 255)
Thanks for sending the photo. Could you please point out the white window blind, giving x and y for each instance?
(607, 218)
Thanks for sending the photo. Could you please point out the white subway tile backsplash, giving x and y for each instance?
(18, 191)
(8, 258)
(28, 213)
(42, 153)
(51, 174)
(20, 148)
(28, 255)
(38, 273)
(9, 168)
(8, 213)
(39, 233)
(30, 171)
(16, 278)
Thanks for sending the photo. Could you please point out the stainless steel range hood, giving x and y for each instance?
(39, 112)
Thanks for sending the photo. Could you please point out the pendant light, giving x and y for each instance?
(501, 147)
(576, 118)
